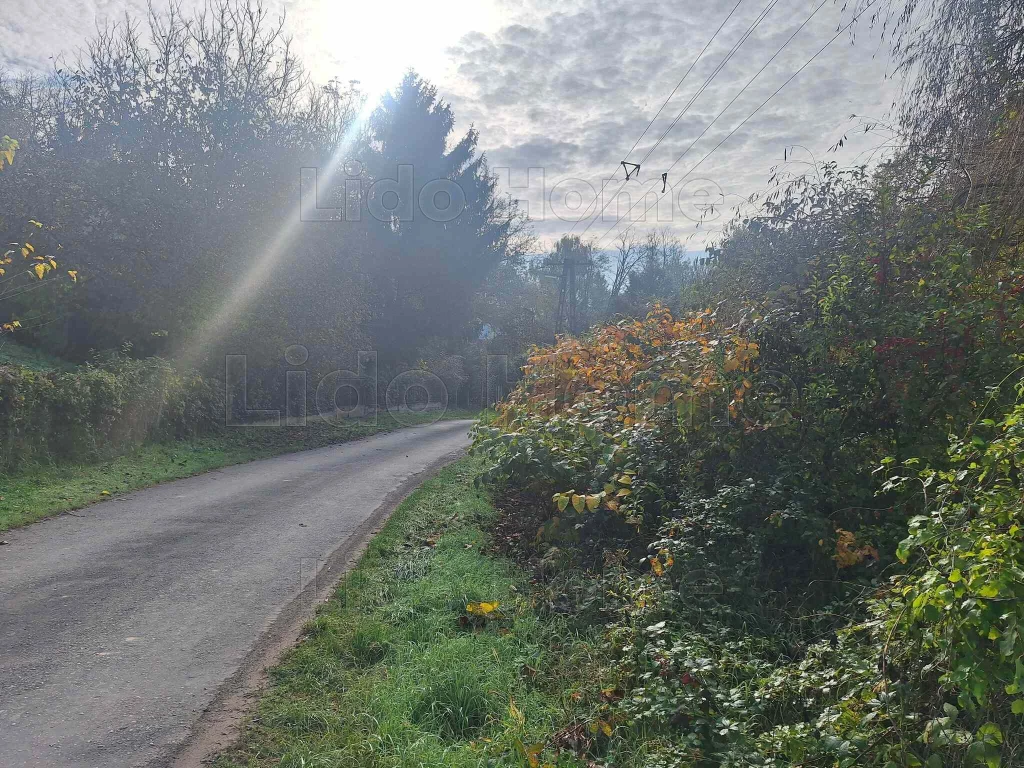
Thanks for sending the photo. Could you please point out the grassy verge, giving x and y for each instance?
(39, 492)
(395, 671)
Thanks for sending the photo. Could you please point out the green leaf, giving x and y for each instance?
(1008, 643)
(903, 550)
(1017, 707)
(990, 734)
(982, 753)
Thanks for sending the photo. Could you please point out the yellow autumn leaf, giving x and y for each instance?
(656, 566)
(532, 753)
(516, 713)
(482, 608)
(73, 273)
(53, 263)
(848, 552)
(40, 270)
(592, 502)
(578, 502)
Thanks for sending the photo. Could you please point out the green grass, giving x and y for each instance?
(393, 672)
(37, 492)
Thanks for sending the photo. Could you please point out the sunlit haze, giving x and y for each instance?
(512, 384)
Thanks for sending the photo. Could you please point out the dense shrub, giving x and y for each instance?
(767, 458)
(99, 410)
(605, 422)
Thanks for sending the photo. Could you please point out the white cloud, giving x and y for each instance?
(570, 87)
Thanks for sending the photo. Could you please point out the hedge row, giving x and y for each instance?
(97, 412)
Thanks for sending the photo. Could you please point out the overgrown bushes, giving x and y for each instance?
(744, 475)
(757, 629)
(100, 410)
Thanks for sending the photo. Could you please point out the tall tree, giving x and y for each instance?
(444, 228)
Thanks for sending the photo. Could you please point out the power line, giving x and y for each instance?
(757, 21)
(685, 75)
(718, 69)
(665, 104)
(792, 77)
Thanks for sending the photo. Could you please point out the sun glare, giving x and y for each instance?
(376, 50)
(376, 46)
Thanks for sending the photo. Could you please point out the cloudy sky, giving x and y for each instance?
(566, 89)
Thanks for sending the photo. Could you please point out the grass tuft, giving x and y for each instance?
(456, 704)
(369, 645)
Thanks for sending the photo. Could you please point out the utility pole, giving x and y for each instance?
(572, 262)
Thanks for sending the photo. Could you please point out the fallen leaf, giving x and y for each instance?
(482, 608)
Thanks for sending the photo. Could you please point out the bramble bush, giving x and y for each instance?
(581, 422)
(964, 599)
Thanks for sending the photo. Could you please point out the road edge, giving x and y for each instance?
(219, 725)
(95, 501)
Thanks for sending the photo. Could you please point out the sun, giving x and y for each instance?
(376, 43)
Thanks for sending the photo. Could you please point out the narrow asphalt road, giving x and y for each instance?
(122, 623)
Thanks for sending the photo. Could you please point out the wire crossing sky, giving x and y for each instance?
(704, 86)
(662, 108)
(564, 89)
(745, 120)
